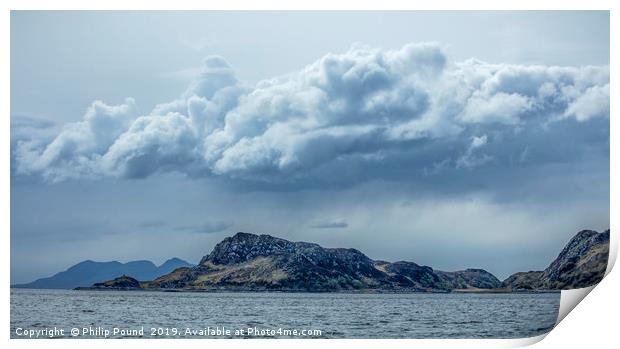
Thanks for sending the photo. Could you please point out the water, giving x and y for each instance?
(335, 315)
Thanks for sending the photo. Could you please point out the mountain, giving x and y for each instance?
(170, 265)
(262, 262)
(88, 272)
(250, 262)
(581, 263)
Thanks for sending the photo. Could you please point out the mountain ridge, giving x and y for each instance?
(261, 262)
(87, 272)
(253, 262)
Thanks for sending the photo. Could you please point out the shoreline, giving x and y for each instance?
(369, 291)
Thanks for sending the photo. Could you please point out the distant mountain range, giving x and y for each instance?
(88, 272)
(250, 262)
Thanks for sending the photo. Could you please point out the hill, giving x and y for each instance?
(581, 263)
(250, 262)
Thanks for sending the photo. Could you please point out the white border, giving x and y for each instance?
(592, 324)
(312, 5)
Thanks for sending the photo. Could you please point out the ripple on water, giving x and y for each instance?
(337, 315)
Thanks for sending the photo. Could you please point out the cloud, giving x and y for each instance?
(470, 159)
(25, 121)
(344, 118)
(78, 149)
(593, 103)
(151, 144)
(330, 225)
(152, 224)
(500, 107)
(205, 228)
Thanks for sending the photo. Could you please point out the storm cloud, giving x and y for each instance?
(346, 117)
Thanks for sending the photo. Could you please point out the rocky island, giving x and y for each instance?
(581, 263)
(120, 283)
(250, 262)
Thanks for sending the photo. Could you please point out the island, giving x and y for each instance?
(252, 262)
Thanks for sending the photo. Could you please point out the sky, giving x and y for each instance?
(451, 139)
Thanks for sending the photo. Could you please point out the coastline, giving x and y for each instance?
(367, 291)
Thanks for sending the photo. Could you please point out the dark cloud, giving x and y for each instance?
(205, 228)
(331, 225)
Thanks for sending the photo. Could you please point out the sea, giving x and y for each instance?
(139, 314)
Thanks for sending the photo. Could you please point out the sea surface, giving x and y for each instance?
(277, 315)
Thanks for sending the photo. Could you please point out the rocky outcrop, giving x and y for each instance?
(263, 262)
(528, 280)
(120, 283)
(581, 263)
(471, 279)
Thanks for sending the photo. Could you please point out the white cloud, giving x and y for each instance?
(470, 159)
(477, 142)
(500, 107)
(366, 108)
(593, 103)
(77, 149)
(152, 144)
